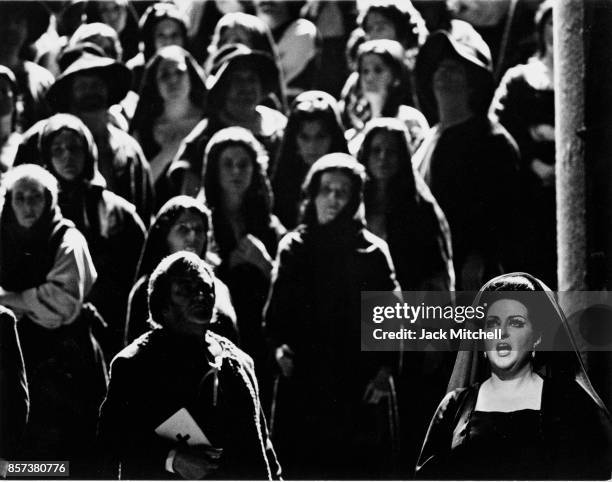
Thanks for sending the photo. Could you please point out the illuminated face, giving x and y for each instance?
(379, 27)
(375, 75)
(167, 32)
(334, 194)
(28, 201)
(313, 140)
(68, 155)
(518, 336)
(235, 170)
(188, 233)
(173, 80)
(384, 156)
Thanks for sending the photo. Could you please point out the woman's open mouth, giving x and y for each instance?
(503, 349)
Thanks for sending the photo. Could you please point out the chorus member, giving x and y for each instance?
(519, 407)
(181, 365)
(313, 130)
(332, 398)
(46, 272)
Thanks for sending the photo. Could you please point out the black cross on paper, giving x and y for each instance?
(182, 438)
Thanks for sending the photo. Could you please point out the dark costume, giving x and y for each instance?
(568, 438)
(114, 232)
(154, 250)
(14, 398)
(314, 308)
(470, 167)
(290, 169)
(417, 232)
(49, 268)
(160, 373)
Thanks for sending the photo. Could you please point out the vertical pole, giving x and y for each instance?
(568, 21)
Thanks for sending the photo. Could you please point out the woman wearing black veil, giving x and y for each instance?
(515, 411)
(182, 224)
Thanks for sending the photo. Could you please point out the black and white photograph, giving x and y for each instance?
(306, 239)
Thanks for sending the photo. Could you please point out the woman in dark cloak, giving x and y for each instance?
(113, 230)
(401, 210)
(519, 406)
(246, 233)
(312, 322)
(46, 271)
(313, 130)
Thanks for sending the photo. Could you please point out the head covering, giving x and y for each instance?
(353, 211)
(90, 32)
(73, 52)
(27, 254)
(52, 127)
(472, 367)
(116, 76)
(237, 54)
(463, 43)
(156, 244)
(152, 16)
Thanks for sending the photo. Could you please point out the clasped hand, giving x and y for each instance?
(197, 461)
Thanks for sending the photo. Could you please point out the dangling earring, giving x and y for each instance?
(485, 354)
(533, 353)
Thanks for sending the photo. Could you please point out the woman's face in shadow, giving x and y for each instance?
(334, 194)
(173, 80)
(188, 233)
(384, 156)
(518, 335)
(28, 201)
(235, 171)
(313, 140)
